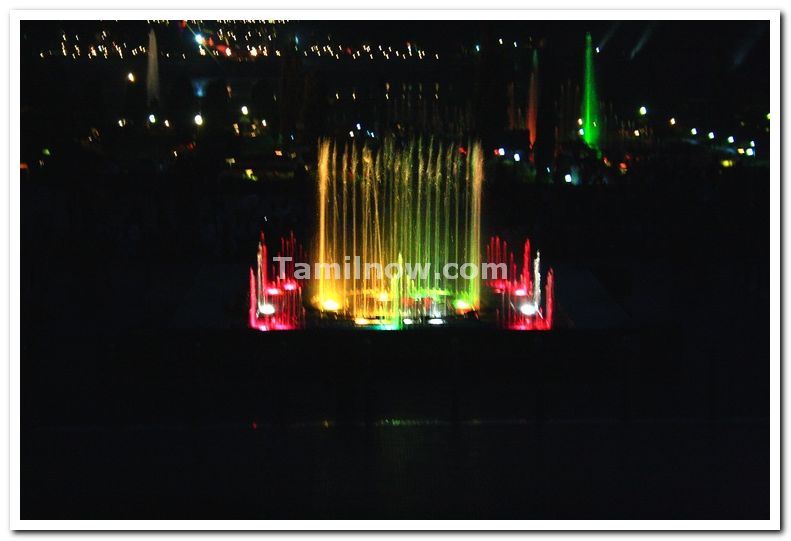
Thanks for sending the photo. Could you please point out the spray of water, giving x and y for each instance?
(416, 202)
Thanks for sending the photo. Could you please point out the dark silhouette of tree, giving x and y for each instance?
(264, 104)
(181, 105)
(291, 95)
(216, 108)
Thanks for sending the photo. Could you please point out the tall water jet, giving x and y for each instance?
(590, 100)
(275, 299)
(532, 104)
(399, 207)
(152, 69)
(523, 307)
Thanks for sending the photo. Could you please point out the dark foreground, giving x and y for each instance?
(446, 424)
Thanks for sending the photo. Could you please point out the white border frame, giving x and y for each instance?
(773, 523)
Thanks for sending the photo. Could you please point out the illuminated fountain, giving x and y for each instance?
(413, 204)
(152, 69)
(414, 207)
(520, 295)
(590, 100)
(276, 304)
(532, 104)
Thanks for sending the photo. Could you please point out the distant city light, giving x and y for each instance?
(121, 122)
(581, 131)
(739, 151)
(228, 51)
(517, 157)
(731, 139)
(752, 144)
(198, 120)
(199, 39)
(693, 131)
(637, 133)
(477, 48)
(567, 178)
(515, 45)
(436, 321)
(643, 111)
(579, 122)
(351, 133)
(710, 135)
(130, 77)
(167, 123)
(358, 126)
(152, 119)
(750, 152)
(672, 121)
(500, 40)
(245, 110)
(501, 151)
(727, 163)
(598, 50)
